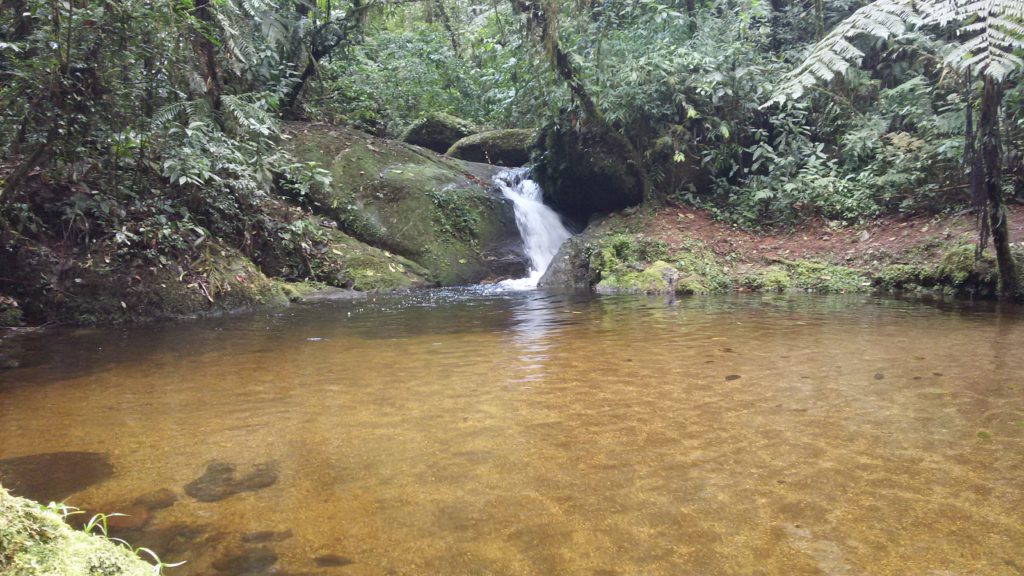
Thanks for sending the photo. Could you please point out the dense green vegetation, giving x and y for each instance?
(140, 136)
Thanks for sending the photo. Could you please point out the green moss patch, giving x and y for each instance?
(35, 541)
(817, 276)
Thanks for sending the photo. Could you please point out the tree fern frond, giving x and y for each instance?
(835, 53)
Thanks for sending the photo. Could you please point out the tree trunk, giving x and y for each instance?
(207, 52)
(544, 27)
(991, 152)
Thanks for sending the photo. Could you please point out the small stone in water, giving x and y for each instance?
(157, 499)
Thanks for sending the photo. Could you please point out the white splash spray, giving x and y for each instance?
(540, 226)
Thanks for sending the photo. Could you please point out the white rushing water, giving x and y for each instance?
(540, 226)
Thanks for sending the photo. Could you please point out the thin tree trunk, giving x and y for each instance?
(207, 52)
(443, 12)
(544, 27)
(991, 151)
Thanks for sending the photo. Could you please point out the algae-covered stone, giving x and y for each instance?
(962, 271)
(903, 277)
(658, 278)
(501, 147)
(94, 290)
(331, 257)
(35, 541)
(437, 132)
(771, 279)
(10, 312)
(817, 276)
(441, 213)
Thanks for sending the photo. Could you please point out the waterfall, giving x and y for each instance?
(539, 225)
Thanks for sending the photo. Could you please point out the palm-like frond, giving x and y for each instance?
(835, 53)
(992, 33)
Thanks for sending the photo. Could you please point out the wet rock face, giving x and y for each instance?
(586, 171)
(442, 214)
(220, 481)
(54, 476)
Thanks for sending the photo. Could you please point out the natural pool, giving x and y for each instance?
(528, 433)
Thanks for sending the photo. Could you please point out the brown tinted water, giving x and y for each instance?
(465, 433)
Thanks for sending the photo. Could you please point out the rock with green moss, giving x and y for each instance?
(906, 277)
(96, 290)
(437, 132)
(771, 279)
(35, 541)
(817, 276)
(309, 251)
(587, 170)
(961, 271)
(500, 147)
(658, 278)
(700, 272)
(10, 312)
(441, 213)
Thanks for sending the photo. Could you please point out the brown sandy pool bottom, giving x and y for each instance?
(529, 433)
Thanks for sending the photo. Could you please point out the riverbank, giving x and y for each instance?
(377, 215)
(682, 249)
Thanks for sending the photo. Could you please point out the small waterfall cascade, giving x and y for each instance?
(540, 226)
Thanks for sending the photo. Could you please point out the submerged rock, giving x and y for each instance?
(266, 536)
(54, 476)
(246, 561)
(510, 148)
(157, 499)
(437, 132)
(219, 481)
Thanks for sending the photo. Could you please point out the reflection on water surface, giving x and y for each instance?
(530, 433)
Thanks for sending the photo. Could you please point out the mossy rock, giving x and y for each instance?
(500, 147)
(438, 212)
(817, 276)
(10, 312)
(658, 278)
(586, 170)
(306, 250)
(904, 277)
(35, 541)
(437, 132)
(92, 289)
(961, 271)
(771, 279)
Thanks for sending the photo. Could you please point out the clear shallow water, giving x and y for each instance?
(524, 433)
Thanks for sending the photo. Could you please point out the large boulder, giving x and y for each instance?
(502, 147)
(441, 213)
(586, 170)
(437, 132)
